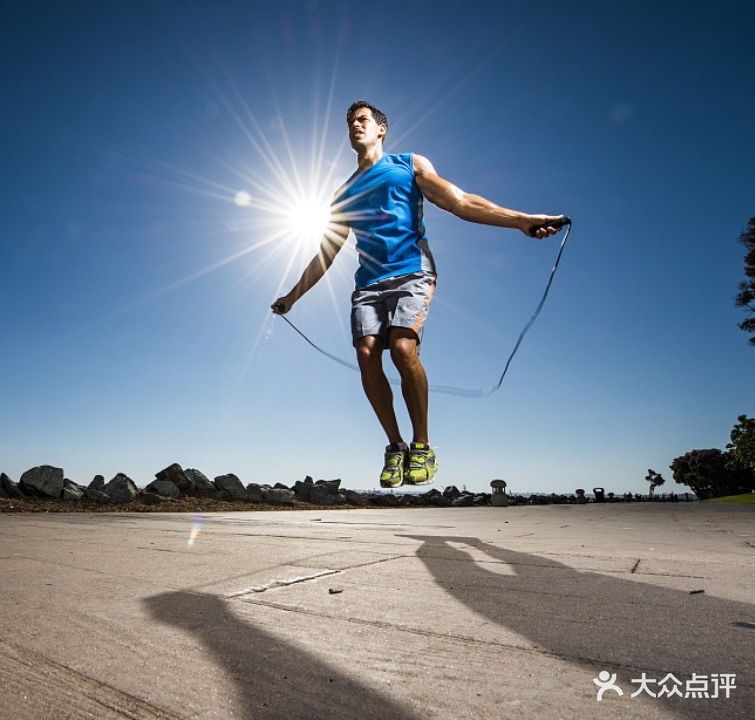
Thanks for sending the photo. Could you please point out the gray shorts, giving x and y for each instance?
(396, 302)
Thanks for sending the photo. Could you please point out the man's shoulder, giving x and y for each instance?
(401, 158)
(401, 161)
(414, 162)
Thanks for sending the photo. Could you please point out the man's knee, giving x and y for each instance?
(369, 350)
(403, 348)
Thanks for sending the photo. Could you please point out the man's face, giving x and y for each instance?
(364, 132)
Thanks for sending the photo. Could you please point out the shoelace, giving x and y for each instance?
(418, 458)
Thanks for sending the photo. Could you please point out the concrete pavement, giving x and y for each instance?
(481, 613)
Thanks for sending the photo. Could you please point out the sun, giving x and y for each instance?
(307, 220)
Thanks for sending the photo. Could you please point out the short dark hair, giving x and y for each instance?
(380, 117)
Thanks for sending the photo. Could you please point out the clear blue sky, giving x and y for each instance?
(135, 291)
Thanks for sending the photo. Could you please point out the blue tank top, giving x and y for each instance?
(383, 206)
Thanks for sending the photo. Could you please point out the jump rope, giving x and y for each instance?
(484, 391)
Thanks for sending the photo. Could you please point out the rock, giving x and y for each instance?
(280, 486)
(153, 498)
(322, 492)
(200, 485)
(451, 492)
(121, 489)
(98, 483)
(72, 491)
(321, 495)
(96, 496)
(430, 494)
(304, 488)
(3, 480)
(439, 501)
(254, 493)
(174, 473)
(164, 487)
(231, 485)
(331, 485)
(12, 490)
(353, 498)
(72, 494)
(44, 481)
(283, 496)
(463, 501)
(177, 475)
(386, 500)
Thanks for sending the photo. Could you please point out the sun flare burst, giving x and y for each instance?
(306, 219)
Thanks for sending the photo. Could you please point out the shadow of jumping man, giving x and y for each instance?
(274, 679)
(605, 622)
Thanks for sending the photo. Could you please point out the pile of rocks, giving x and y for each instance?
(174, 483)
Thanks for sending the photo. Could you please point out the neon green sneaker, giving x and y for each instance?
(421, 464)
(393, 468)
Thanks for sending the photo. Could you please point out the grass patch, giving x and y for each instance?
(744, 499)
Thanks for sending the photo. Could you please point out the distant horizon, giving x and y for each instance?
(439, 484)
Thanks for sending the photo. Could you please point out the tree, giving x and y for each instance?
(709, 474)
(746, 297)
(655, 479)
(742, 446)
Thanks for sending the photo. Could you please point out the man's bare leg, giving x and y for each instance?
(421, 463)
(376, 386)
(404, 346)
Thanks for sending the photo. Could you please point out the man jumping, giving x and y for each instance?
(382, 203)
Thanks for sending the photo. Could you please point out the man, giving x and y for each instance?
(382, 204)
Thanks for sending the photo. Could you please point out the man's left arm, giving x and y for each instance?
(475, 208)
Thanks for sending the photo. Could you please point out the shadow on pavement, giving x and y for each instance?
(273, 678)
(605, 622)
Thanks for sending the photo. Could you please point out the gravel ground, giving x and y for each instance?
(184, 505)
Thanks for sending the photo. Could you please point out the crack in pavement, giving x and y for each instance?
(277, 583)
(281, 583)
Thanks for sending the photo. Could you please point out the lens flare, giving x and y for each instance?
(243, 199)
(196, 528)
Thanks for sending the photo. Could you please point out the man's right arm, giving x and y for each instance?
(474, 208)
(330, 245)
